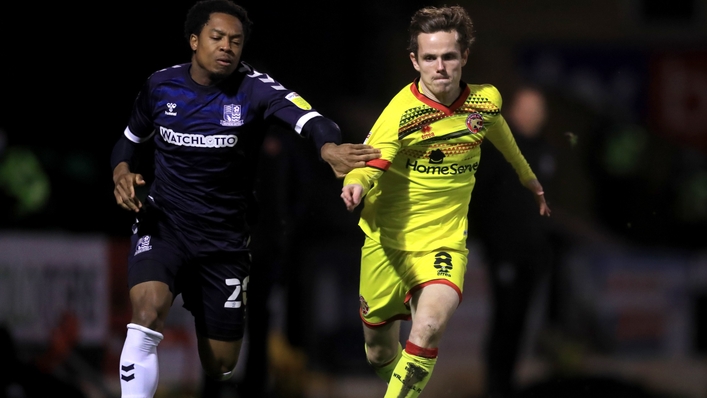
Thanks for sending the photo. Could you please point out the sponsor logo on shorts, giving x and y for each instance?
(143, 245)
(443, 263)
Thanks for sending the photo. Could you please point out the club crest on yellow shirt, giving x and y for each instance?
(474, 122)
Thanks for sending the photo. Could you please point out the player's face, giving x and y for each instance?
(439, 61)
(217, 49)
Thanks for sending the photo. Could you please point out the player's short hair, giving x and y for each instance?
(200, 13)
(441, 19)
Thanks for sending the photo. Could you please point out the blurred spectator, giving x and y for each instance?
(42, 376)
(284, 191)
(24, 186)
(650, 191)
(517, 242)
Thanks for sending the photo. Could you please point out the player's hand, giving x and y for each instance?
(125, 182)
(351, 194)
(537, 190)
(346, 157)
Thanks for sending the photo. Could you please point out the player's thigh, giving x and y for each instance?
(382, 292)
(151, 302)
(436, 301)
(432, 308)
(215, 292)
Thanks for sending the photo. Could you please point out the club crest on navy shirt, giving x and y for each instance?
(231, 115)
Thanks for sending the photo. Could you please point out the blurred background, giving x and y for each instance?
(621, 312)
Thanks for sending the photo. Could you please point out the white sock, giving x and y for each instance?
(139, 369)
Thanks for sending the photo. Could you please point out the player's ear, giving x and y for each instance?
(465, 56)
(413, 58)
(193, 41)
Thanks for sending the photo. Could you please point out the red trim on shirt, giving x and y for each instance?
(441, 107)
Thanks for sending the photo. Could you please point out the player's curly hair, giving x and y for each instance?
(199, 14)
(441, 19)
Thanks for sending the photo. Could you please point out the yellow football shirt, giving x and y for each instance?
(417, 194)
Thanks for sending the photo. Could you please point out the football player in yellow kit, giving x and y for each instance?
(416, 197)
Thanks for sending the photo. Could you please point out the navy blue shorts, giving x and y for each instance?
(212, 284)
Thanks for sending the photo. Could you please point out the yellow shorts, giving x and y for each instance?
(389, 277)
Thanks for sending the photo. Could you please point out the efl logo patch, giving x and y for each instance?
(475, 122)
(299, 101)
(143, 245)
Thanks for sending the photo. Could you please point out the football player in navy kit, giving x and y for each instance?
(204, 122)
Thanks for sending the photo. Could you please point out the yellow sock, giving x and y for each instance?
(410, 376)
(385, 371)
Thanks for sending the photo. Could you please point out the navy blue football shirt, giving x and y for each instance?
(207, 142)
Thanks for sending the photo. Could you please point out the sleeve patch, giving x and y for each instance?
(299, 101)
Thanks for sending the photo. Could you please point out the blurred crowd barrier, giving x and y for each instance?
(626, 313)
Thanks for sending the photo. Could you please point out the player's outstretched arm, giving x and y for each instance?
(351, 194)
(537, 190)
(125, 182)
(346, 157)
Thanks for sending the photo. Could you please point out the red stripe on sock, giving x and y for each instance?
(413, 349)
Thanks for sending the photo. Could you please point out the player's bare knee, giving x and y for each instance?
(426, 334)
(379, 355)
